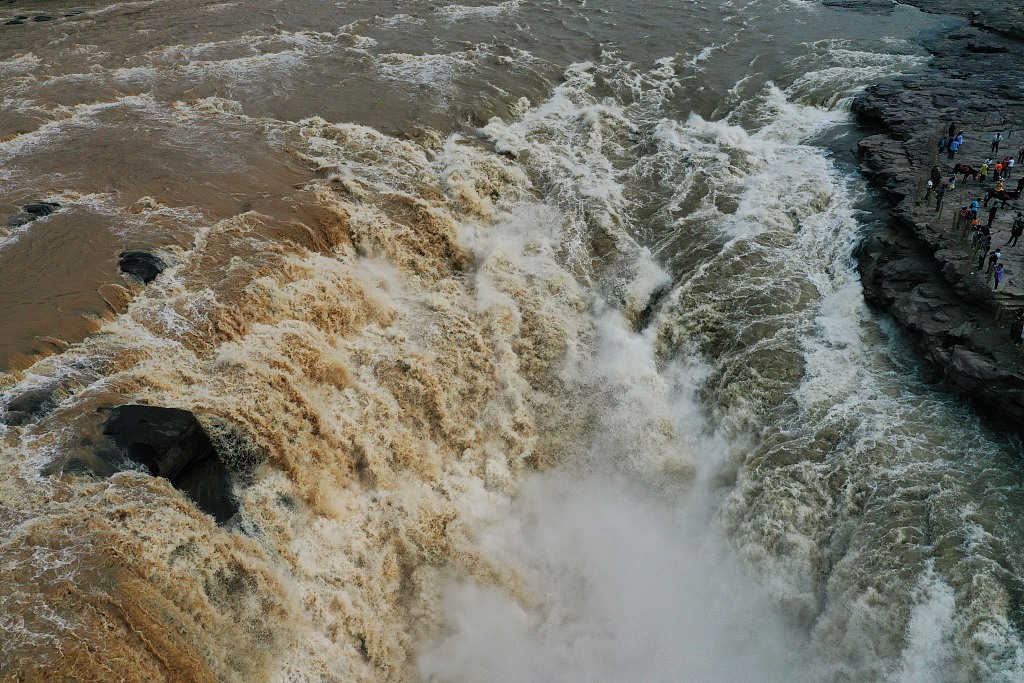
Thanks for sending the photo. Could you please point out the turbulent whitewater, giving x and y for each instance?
(536, 333)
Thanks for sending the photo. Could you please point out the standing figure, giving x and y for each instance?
(993, 260)
(1016, 231)
(996, 139)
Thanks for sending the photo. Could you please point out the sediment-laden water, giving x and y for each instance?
(537, 330)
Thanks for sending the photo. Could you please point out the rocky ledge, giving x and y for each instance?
(921, 266)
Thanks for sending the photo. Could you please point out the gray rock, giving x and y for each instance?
(30, 212)
(915, 267)
(144, 264)
(205, 457)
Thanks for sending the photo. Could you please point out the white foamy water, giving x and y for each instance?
(529, 336)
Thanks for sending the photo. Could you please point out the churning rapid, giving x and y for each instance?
(529, 335)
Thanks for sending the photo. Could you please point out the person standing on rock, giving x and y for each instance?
(984, 244)
(1020, 155)
(992, 215)
(997, 275)
(939, 194)
(983, 172)
(929, 192)
(954, 146)
(975, 229)
(1016, 231)
(1008, 165)
(996, 139)
(993, 259)
(943, 141)
(952, 130)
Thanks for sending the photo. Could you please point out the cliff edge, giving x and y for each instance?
(921, 267)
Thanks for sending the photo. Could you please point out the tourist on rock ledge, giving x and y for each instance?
(996, 139)
(997, 275)
(993, 260)
(1016, 231)
(986, 241)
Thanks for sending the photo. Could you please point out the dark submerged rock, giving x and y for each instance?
(30, 405)
(143, 264)
(30, 212)
(204, 457)
(986, 48)
(862, 5)
(16, 220)
(170, 443)
(39, 209)
(164, 440)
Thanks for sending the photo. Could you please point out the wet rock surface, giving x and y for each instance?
(30, 212)
(921, 266)
(145, 264)
(205, 459)
(29, 405)
(861, 5)
(1005, 18)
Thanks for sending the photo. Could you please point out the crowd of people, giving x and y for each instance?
(990, 175)
(989, 230)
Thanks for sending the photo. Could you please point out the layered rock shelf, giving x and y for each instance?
(921, 266)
